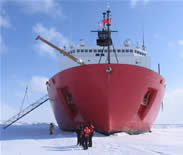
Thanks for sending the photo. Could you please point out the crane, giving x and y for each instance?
(79, 61)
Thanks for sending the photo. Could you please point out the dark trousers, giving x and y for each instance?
(78, 139)
(86, 139)
(82, 140)
(90, 140)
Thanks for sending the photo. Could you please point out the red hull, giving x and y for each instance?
(111, 100)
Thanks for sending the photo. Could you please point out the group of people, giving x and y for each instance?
(84, 135)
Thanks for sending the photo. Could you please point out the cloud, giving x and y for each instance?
(174, 96)
(3, 46)
(6, 111)
(177, 44)
(50, 7)
(38, 84)
(171, 44)
(51, 35)
(180, 43)
(133, 3)
(173, 106)
(4, 22)
(36, 89)
(43, 113)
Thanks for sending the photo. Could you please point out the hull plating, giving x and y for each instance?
(126, 99)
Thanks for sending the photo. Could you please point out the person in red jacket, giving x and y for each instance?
(86, 137)
(91, 127)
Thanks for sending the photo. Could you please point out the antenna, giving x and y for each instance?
(104, 13)
(108, 5)
(143, 44)
(25, 94)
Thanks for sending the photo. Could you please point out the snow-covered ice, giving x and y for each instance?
(34, 139)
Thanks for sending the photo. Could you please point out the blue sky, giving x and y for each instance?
(25, 61)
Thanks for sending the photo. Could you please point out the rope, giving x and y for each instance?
(101, 55)
(115, 54)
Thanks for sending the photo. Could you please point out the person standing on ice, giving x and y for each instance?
(82, 136)
(91, 127)
(51, 128)
(86, 137)
(78, 132)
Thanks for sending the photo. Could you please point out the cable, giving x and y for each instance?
(21, 106)
(115, 54)
(101, 55)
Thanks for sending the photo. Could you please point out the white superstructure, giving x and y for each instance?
(125, 55)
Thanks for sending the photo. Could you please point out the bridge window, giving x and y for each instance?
(123, 51)
(137, 52)
(82, 50)
(114, 50)
(90, 50)
(106, 51)
(95, 50)
(127, 51)
(78, 50)
(119, 50)
(86, 50)
(131, 51)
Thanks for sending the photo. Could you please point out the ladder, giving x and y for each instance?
(25, 111)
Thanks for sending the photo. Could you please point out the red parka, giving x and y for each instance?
(87, 131)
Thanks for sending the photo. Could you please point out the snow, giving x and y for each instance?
(29, 139)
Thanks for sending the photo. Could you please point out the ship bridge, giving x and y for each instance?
(126, 54)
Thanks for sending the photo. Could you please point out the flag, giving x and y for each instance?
(105, 21)
(99, 24)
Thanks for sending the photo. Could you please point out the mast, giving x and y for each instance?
(104, 35)
(109, 35)
(104, 13)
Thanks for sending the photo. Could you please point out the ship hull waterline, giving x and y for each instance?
(114, 97)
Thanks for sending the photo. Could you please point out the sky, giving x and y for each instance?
(27, 62)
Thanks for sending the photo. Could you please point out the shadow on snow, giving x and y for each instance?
(63, 148)
(35, 131)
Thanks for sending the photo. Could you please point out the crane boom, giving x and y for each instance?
(79, 61)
